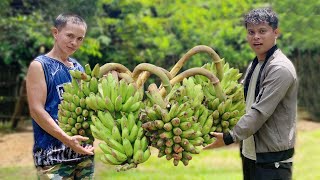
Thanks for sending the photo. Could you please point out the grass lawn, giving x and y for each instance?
(222, 164)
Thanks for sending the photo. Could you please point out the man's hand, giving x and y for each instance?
(75, 144)
(217, 143)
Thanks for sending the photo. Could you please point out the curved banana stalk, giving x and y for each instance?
(200, 71)
(114, 66)
(126, 77)
(200, 48)
(145, 75)
(150, 68)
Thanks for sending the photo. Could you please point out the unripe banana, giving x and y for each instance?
(93, 85)
(109, 104)
(121, 157)
(114, 144)
(116, 134)
(138, 157)
(146, 155)
(133, 133)
(118, 103)
(127, 147)
(96, 71)
(107, 158)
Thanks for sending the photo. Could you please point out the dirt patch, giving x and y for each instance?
(16, 148)
(306, 125)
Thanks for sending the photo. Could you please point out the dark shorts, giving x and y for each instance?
(81, 170)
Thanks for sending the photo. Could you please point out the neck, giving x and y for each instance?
(58, 56)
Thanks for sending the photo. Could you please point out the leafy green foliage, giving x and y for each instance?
(299, 24)
(154, 31)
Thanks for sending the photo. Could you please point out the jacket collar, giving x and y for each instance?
(254, 64)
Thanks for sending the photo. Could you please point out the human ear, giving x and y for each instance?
(277, 32)
(54, 32)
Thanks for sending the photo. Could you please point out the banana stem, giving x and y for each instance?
(200, 71)
(145, 75)
(114, 66)
(126, 77)
(200, 48)
(154, 70)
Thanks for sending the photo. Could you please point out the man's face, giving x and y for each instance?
(70, 37)
(261, 38)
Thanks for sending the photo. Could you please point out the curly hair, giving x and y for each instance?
(261, 15)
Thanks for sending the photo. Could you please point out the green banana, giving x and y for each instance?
(109, 104)
(133, 133)
(138, 157)
(116, 134)
(108, 158)
(127, 147)
(96, 71)
(118, 103)
(146, 155)
(121, 157)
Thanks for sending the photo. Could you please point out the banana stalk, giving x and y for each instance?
(114, 66)
(145, 75)
(200, 71)
(151, 69)
(200, 48)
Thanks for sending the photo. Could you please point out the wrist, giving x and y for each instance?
(66, 139)
(228, 138)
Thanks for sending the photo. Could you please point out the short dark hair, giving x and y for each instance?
(61, 21)
(261, 15)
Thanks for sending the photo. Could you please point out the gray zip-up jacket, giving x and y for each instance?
(272, 118)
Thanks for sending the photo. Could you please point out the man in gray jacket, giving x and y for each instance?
(268, 128)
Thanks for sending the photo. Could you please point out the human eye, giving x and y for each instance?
(263, 31)
(70, 35)
(250, 32)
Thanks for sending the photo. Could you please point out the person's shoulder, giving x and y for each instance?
(35, 63)
(41, 58)
(282, 66)
(280, 59)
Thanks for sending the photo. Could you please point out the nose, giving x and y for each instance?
(256, 36)
(74, 42)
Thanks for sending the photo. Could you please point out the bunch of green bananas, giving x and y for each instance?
(115, 96)
(170, 122)
(73, 114)
(225, 112)
(117, 105)
(123, 140)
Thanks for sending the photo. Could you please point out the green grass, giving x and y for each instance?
(222, 164)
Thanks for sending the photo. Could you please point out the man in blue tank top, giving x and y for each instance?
(57, 155)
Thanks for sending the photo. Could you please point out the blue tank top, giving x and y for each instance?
(48, 150)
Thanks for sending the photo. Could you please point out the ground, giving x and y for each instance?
(16, 147)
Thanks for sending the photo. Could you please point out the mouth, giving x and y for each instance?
(257, 44)
(71, 48)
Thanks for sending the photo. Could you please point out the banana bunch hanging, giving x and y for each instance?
(226, 111)
(74, 115)
(173, 123)
(224, 100)
(117, 105)
(107, 103)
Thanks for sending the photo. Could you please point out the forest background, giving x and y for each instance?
(160, 32)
